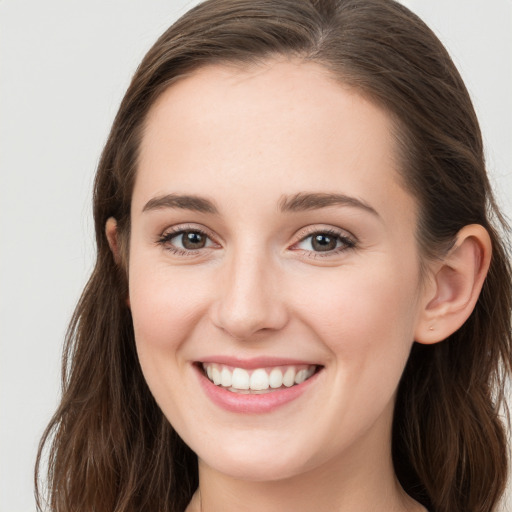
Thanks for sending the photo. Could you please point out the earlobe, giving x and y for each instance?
(455, 286)
(112, 238)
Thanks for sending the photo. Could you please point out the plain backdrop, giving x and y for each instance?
(64, 66)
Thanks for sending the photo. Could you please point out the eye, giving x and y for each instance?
(183, 241)
(191, 240)
(326, 241)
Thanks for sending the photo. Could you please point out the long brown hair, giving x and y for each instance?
(110, 447)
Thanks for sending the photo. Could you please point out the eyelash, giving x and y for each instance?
(346, 241)
(165, 238)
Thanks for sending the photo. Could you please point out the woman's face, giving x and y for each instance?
(272, 242)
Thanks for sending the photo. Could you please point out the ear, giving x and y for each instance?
(113, 242)
(451, 294)
(113, 239)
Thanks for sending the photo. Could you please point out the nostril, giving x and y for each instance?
(249, 300)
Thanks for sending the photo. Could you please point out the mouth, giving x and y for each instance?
(258, 380)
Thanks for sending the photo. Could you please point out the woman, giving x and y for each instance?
(300, 300)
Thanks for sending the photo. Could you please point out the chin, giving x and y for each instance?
(270, 463)
(263, 471)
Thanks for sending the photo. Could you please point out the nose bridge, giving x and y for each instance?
(249, 297)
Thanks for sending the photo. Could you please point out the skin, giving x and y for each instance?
(243, 138)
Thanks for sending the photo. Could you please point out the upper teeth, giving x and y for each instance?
(259, 379)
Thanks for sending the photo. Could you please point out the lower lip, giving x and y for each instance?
(252, 403)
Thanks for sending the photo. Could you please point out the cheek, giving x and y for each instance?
(367, 323)
(353, 310)
(165, 304)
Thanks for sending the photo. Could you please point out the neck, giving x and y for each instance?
(299, 495)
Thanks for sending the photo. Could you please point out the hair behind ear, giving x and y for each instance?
(449, 442)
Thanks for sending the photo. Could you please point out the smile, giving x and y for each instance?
(256, 386)
(257, 380)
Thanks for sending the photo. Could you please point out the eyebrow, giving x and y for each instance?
(184, 202)
(304, 201)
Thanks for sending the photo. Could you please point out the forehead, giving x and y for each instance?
(283, 124)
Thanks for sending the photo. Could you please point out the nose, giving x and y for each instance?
(249, 298)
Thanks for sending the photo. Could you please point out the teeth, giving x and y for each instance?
(257, 380)
(240, 379)
(301, 376)
(216, 376)
(289, 377)
(225, 378)
(275, 378)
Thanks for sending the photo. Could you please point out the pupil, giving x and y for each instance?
(323, 243)
(193, 240)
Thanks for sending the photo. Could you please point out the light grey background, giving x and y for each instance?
(64, 66)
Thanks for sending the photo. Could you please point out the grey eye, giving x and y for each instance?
(193, 240)
(323, 242)
(188, 240)
(320, 242)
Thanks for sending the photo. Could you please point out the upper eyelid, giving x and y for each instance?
(347, 241)
(311, 230)
(181, 228)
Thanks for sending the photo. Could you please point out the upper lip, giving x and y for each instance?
(255, 362)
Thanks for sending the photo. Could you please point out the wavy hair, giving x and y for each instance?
(110, 448)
